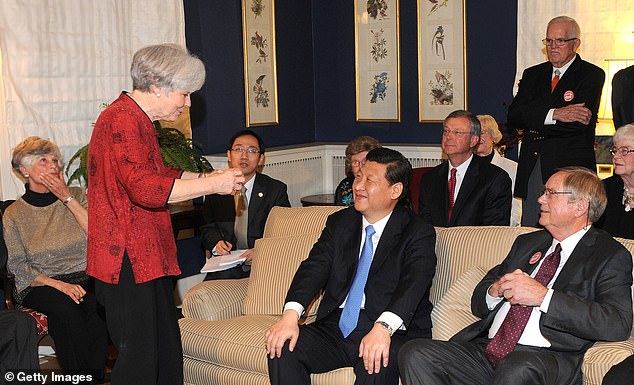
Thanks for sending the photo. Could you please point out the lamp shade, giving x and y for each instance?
(611, 67)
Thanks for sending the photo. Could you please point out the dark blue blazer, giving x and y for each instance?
(562, 144)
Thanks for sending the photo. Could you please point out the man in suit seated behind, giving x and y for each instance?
(223, 230)
(539, 315)
(375, 262)
(481, 191)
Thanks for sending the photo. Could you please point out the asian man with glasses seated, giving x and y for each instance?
(235, 222)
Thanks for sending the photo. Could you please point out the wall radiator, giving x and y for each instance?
(318, 169)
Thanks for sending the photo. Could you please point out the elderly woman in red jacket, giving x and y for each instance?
(131, 248)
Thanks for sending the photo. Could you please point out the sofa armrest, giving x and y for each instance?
(601, 356)
(215, 300)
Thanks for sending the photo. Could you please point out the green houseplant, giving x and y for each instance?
(177, 151)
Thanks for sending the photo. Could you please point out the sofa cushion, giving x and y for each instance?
(236, 343)
(601, 356)
(460, 248)
(453, 311)
(275, 261)
(285, 221)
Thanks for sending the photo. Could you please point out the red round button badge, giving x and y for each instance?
(569, 95)
(535, 258)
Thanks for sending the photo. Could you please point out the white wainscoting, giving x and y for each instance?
(318, 169)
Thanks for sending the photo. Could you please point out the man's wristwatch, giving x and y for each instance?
(386, 326)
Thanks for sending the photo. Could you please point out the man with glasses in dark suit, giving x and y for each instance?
(235, 222)
(556, 108)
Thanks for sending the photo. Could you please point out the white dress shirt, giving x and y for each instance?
(549, 117)
(460, 173)
(532, 336)
(390, 318)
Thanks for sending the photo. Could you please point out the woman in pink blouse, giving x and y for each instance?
(131, 248)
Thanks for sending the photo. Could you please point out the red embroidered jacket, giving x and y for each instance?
(128, 189)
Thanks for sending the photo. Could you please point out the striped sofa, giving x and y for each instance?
(224, 324)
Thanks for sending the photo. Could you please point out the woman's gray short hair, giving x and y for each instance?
(28, 150)
(625, 132)
(488, 122)
(167, 66)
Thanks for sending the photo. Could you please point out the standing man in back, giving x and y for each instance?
(556, 107)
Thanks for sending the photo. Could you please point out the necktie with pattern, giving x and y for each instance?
(350, 314)
(451, 188)
(516, 319)
(242, 219)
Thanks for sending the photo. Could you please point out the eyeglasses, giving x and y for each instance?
(621, 151)
(357, 163)
(548, 192)
(446, 132)
(248, 150)
(557, 42)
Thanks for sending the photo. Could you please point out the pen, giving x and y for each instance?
(226, 244)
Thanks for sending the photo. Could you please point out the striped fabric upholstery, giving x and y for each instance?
(600, 358)
(236, 343)
(275, 262)
(285, 221)
(453, 312)
(230, 351)
(460, 248)
(217, 299)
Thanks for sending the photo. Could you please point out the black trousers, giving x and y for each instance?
(321, 348)
(531, 209)
(79, 330)
(621, 374)
(428, 362)
(18, 342)
(143, 327)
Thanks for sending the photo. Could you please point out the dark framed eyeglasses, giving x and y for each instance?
(621, 151)
(248, 150)
(548, 192)
(557, 42)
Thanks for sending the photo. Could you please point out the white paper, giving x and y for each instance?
(224, 262)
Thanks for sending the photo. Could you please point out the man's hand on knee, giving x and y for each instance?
(375, 349)
(283, 330)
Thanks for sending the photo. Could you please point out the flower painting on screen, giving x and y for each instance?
(377, 9)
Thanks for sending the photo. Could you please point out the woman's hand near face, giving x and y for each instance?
(56, 184)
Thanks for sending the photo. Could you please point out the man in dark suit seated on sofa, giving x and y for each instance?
(235, 222)
(539, 315)
(375, 262)
(466, 190)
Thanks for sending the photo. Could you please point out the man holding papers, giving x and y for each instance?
(235, 222)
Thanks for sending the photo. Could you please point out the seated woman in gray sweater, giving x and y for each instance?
(45, 232)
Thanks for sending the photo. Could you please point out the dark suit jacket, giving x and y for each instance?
(220, 212)
(400, 275)
(623, 97)
(484, 197)
(615, 220)
(562, 144)
(592, 298)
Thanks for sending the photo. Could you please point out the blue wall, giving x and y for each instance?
(316, 78)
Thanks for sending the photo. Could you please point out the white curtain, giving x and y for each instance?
(61, 59)
(607, 29)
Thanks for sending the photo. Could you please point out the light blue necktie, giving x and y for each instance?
(350, 313)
